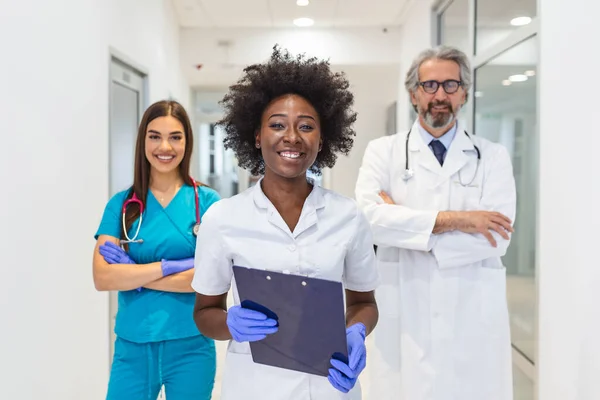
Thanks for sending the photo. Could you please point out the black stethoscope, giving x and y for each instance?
(409, 173)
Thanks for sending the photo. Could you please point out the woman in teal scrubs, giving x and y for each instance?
(157, 341)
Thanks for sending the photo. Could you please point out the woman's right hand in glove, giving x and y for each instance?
(247, 325)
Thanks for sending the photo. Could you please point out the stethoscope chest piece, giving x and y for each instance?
(407, 174)
(196, 229)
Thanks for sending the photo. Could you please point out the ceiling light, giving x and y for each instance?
(301, 3)
(517, 78)
(506, 82)
(530, 73)
(303, 22)
(478, 94)
(520, 21)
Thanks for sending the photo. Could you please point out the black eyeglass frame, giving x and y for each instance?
(436, 86)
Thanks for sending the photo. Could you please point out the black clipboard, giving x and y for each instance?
(311, 316)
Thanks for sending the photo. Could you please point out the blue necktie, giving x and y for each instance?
(439, 150)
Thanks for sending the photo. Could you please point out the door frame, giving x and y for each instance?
(119, 62)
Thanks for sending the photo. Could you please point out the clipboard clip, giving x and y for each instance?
(303, 282)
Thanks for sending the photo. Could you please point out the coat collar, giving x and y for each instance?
(456, 157)
(308, 218)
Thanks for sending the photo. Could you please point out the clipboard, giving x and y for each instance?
(311, 317)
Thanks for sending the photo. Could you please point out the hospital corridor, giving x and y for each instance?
(299, 200)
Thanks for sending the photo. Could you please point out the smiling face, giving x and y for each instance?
(289, 136)
(165, 144)
(437, 111)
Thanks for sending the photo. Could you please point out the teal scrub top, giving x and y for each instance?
(151, 315)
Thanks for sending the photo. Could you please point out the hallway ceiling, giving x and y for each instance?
(281, 13)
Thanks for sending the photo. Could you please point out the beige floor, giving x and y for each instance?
(521, 293)
(521, 304)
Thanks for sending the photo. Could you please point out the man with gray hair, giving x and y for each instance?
(441, 205)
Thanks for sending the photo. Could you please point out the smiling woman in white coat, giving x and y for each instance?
(283, 118)
(440, 203)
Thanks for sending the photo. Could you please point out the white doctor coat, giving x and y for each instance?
(443, 331)
(332, 240)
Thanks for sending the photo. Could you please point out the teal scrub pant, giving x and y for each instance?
(186, 367)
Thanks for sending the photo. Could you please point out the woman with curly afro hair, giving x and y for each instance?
(283, 118)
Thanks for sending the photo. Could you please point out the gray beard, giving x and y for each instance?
(443, 120)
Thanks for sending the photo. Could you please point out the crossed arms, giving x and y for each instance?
(454, 237)
(129, 276)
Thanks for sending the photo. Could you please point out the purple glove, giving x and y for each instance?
(342, 376)
(247, 325)
(114, 254)
(170, 267)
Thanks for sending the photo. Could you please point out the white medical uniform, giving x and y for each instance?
(332, 240)
(443, 331)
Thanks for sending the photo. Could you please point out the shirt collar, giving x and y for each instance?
(316, 198)
(446, 138)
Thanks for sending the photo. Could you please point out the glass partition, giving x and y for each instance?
(503, 49)
(453, 28)
(506, 112)
(495, 20)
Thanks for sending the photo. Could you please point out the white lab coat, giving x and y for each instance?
(443, 332)
(332, 240)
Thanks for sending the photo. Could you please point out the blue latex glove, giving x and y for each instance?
(114, 254)
(343, 376)
(247, 325)
(170, 267)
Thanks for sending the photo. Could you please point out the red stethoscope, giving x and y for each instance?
(135, 199)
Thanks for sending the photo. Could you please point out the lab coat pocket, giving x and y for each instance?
(494, 307)
(388, 259)
(388, 293)
(471, 197)
(325, 261)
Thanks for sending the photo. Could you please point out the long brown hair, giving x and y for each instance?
(141, 176)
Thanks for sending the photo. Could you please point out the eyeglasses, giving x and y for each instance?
(450, 86)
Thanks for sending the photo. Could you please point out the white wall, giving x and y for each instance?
(416, 36)
(54, 98)
(374, 89)
(147, 32)
(569, 267)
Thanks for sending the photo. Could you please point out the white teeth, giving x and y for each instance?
(165, 157)
(289, 154)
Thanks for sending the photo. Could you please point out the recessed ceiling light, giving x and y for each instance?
(530, 73)
(520, 21)
(506, 82)
(478, 94)
(517, 78)
(301, 3)
(304, 22)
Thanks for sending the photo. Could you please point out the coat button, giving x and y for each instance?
(292, 248)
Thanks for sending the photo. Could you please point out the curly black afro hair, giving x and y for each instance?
(284, 74)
